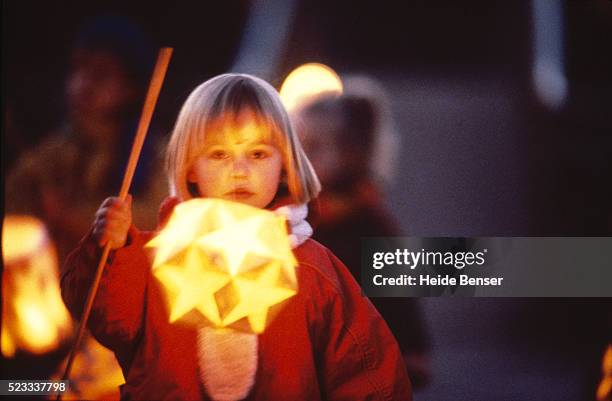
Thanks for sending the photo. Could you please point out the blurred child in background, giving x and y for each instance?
(82, 161)
(342, 136)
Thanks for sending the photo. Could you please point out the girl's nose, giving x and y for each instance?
(240, 167)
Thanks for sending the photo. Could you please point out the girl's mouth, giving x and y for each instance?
(239, 193)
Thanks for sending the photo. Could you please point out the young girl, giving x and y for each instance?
(233, 140)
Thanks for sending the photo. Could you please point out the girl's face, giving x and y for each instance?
(237, 162)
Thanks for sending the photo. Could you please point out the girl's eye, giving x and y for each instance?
(259, 154)
(218, 154)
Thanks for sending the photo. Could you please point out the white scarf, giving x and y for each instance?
(296, 217)
(228, 358)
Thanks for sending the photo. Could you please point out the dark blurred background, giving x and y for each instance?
(490, 146)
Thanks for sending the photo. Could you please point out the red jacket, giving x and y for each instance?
(327, 343)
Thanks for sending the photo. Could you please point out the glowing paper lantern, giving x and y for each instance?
(34, 318)
(95, 375)
(604, 391)
(227, 261)
(308, 81)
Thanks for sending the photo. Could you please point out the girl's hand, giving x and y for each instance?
(112, 222)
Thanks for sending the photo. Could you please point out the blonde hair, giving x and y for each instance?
(229, 94)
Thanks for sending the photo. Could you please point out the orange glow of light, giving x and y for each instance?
(35, 322)
(34, 318)
(95, 374)
(307, 82)
(604, 390)
(21, 237)
(228, 261)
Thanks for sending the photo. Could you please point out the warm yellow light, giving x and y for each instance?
(308, 81)
(227, 261)
(604, 390)
(34, 318)
(22, 236)
(35, 322)
(95, 374)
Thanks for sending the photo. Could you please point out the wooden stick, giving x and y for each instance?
(161, 66)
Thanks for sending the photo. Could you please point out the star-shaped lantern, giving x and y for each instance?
(227, 261)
